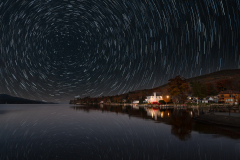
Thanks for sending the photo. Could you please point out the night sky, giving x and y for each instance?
(53, 50)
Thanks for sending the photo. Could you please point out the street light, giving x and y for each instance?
(167, 97)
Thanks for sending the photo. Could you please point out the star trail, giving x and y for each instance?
(54, 50)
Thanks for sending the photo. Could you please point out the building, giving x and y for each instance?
(211, 99)
(208, 100)
(135, 102)
(205, 100)
(155, 97)
(229, 96)
(215, 98)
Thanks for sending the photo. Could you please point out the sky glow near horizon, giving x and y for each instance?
(54, 50)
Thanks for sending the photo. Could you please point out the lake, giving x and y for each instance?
(62, 131)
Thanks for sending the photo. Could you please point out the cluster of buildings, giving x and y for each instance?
(228, 96)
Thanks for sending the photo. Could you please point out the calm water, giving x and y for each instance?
(110, 132)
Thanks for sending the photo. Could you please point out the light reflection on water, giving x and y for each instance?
(110, 132)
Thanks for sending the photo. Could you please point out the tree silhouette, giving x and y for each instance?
(178, 88)
(198, 89)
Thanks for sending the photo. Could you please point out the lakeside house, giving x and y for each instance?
(229, 96)
(124, 100)
(208, 100)
(205, 100)
(135, 102)
(154, 97)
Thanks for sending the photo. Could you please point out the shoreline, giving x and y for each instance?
(228, 122)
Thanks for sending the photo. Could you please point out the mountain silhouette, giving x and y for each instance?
(7, 99)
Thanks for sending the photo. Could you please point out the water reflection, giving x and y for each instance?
(181, 124)
(110, 132)
(179, 118)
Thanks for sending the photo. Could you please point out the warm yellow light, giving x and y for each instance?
(162, 114)
(167, 96)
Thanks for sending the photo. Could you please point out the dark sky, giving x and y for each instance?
(53, 50)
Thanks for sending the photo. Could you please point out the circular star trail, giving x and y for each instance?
(53, 50)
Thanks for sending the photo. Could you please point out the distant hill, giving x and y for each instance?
(7, 99)
(231, 74)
